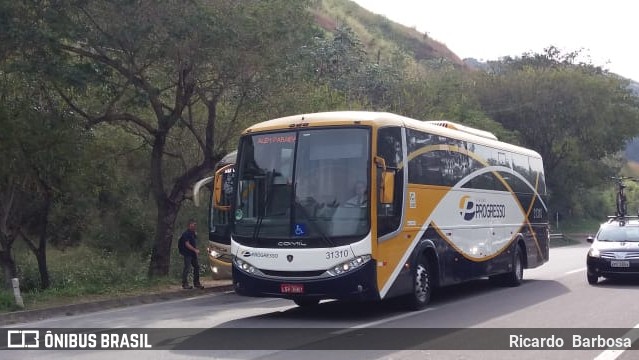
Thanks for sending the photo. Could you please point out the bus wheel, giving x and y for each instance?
(422, 286)
(592, 279)
(516, 276)
(302, 302)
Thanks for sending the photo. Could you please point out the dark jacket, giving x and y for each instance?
(191, 237)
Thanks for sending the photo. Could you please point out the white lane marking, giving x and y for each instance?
(370, 324)
(633, 335)
(576, 271)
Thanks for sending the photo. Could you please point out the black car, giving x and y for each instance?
(614, 250)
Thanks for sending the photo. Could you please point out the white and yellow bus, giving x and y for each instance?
(443, 204)
(219, 215)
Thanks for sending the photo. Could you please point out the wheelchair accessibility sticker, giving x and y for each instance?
(299, 230)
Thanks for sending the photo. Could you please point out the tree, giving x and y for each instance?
(43, 158)
(574, 115)
(334, 59)
(169, 72)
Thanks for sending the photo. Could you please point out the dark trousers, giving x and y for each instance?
(191, 261)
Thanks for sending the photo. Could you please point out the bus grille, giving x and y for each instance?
(314, 273)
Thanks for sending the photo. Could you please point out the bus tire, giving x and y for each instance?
(592, 279)
(516, 275)
(303, 302)
(422, 285)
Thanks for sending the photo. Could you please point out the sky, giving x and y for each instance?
(606, 32)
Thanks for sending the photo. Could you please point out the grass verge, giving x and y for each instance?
(577, 226)
(84, 274)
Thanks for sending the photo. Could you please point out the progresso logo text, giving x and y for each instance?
(470, 209)
(259, 254)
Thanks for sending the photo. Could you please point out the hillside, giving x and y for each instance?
(380, 35)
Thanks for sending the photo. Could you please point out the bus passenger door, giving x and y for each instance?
(390, 180)
(220, 211)
(389, 171)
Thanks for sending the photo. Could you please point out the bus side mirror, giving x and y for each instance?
(387, 185)
(218, 187)
(197, 187)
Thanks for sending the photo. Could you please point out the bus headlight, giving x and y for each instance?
(349, 265)
(244, 266)
(214, 254)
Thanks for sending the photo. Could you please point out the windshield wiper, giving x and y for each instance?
(270, 179)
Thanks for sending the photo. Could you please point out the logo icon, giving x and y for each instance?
(246, 253)
(289, 258)
(23, 339)
(466, 208)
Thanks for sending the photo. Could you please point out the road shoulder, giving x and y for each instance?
(15, 317)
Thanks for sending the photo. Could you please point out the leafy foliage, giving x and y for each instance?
(166, 72)
(111, 110)
(632, 150)
(574, 115)
(44, 163)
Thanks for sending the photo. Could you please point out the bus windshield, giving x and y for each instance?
(307, 187)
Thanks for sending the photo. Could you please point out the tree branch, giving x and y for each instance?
(124, 117)
(6, 208)
(70, 102)
(198, 138)
(29, 242)
(137, 81)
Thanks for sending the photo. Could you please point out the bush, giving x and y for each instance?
(91, 270)
(85, 270)
(7, 301)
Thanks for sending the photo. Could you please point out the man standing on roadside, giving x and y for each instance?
(187, 245)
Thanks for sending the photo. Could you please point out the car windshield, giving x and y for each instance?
(619, 233)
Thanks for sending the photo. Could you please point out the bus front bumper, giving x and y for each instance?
(219, 262)
(359, 284)
(220, 269)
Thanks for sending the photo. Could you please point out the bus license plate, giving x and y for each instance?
(292, 288)
(620, 263)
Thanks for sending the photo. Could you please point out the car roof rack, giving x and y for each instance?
(621, 219)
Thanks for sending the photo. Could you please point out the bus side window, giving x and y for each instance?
(389, 147)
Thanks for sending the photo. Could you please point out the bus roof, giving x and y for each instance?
(229, 158)
(438, 127)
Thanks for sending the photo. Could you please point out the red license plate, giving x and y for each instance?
(292, 288)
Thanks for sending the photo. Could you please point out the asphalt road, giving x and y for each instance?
(554, 296)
